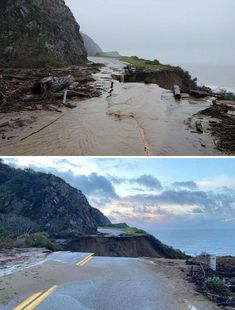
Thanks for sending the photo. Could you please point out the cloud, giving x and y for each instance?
(186, 206)
(149, 182)
(95, 184)
(144, 199)
(185, 185)
(219, 182)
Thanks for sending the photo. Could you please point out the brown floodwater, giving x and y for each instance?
(137, 119)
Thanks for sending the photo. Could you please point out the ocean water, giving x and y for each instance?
(215, 76)
(193, 242)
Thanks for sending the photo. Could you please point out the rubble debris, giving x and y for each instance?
(199, 93)
(222, 124)
(217, 285)
(199, 127)
(26, 88)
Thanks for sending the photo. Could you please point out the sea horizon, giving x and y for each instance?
(215, 241)
(215, 76)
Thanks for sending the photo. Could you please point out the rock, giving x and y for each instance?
(4, 124)
(199, 127)
(92, 48)
(46, 201)
(37, 33)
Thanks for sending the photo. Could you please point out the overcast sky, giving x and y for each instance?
(151, 193)
(174, 31)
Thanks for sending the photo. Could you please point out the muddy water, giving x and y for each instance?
(137, 119)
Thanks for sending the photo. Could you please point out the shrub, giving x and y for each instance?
(38, 240)
(218, 286)
(6, 243)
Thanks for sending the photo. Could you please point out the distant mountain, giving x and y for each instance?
(113, 54)
(91, 46)
(44, 202)
(39, 33)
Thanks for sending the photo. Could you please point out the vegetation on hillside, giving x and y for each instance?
(134, 231)
(145, 64)
(36, 240)
(118, 225)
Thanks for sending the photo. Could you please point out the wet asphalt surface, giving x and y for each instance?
(116, 283)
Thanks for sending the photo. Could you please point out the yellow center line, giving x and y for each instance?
(89, 258)
(84, 260)
(40, 299)
(33, 301)
(27, 301)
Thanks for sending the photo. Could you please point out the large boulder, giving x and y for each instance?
(36, 33)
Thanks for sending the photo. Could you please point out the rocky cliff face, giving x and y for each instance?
(46, 202)
(90, 45)
(38, 33)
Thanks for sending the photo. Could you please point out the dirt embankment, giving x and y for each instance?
(164, 78)
(123, 246)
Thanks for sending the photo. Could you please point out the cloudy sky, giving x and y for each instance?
(150, 193)
(174, 31)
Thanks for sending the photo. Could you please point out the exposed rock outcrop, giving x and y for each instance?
(46, 202)
(38, 33)
(91, 46)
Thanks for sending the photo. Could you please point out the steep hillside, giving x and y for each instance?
(44, 202)
(91, 46)
(38, 33)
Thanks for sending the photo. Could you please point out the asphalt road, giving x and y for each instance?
(103, 284)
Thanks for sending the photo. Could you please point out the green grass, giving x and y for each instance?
(145, 64)
(134, 231)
